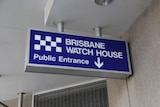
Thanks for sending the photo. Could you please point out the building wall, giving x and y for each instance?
(27, 101)
(117, 93)
(144, 39)
(144, 86)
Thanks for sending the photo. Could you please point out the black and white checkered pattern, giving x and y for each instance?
(48, 39)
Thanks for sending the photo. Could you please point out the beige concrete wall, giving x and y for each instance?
(27, 102)
(144, 85)
(144, 39)
(117, 93)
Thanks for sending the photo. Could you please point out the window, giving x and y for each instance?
(87, 95)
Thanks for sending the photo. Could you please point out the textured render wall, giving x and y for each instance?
(144, 39)
(27, 102)
(117, 93)
(144, 85)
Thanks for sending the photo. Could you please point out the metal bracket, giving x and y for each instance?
(98, 31)
(60, 26)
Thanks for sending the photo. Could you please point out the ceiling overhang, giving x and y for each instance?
(84, 15)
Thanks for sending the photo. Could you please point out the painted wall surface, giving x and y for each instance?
(117, 93)
(144, 39)
(27, 102)
(144, 85)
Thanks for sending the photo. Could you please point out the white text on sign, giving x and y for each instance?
(84, 47)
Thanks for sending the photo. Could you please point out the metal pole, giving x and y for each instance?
(60, 26)
(20, 99)
(98, 31)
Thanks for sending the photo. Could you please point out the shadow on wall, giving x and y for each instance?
(3, 105)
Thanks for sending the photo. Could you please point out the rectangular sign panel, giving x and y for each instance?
(50, 52)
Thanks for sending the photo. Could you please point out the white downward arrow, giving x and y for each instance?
(99, 64)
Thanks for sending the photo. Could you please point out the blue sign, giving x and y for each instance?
(78, 52)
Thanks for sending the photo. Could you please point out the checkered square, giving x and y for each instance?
(45, 43)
